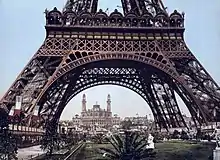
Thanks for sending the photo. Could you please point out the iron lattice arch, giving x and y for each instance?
(142, 49)
(154, 89)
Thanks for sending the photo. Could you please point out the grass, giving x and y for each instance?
(165, 151)
(92, 151)
(184, 151)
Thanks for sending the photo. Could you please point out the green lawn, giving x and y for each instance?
(165, 151)
(91, 151)
(184, 151)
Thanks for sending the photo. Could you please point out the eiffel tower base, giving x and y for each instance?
(141, 49)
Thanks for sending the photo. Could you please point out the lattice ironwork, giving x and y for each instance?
(142, 49)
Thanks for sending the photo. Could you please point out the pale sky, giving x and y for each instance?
(22, 32)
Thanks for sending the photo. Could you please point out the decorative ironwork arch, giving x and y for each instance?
(134, 89)
(56, 112)
(152, 61)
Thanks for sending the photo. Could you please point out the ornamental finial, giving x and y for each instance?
(46, 11)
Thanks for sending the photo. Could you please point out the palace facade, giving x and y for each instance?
(96, 117)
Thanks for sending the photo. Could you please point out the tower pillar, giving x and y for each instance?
(84, 103)
(108, 103)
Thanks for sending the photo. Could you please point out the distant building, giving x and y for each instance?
(96, 117)
(116, 120)
(76, 121)
(138, 121)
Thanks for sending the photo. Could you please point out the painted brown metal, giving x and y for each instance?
(143, 50)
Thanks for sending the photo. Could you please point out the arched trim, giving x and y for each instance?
(117, 56)
(161, 16)
(176, 14)
(116, 83)
(85, 15)
(115, 14)
(55, 11)
(112, 82)
(100, 14)
(131, 16)
(147, 15)
(170, 71)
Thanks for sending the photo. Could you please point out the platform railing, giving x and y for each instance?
(25, 129)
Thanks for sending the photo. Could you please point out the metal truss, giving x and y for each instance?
(42, 77)
(45, 70)
(140, 50)
(144, 6)
(129, 6)
(81, 5)
(204, 89)
(162, 100)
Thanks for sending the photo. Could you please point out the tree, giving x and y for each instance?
(126, 124)
(71, 139)
(175, 134)
(51, 139)
(8, 145)
(157, 137)
(199, 134)
(49, 143)
(128, 147)
(184, 135)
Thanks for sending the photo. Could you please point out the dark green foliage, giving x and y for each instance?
(8, 145)
(199, 134)
(98, 138)
(84, 137)
(158, 137)
(207, 137)
(128, 147)
(126, 124)
(51, 139)
(184, 135)
(50, 143)
(70, 139)
(175, 134)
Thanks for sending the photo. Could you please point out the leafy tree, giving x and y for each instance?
(50, 143)
(199, 134)
(51, 139)
(158, 137)
(84, 137)
(8, 145)
(184, 135)
(126, 124)
(128, 147)
(70, 139)
(175, 134)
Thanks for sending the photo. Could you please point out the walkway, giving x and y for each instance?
(28, 153)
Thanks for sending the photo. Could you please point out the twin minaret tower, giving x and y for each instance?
(108, 103)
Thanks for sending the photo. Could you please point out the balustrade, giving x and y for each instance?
(19, 128)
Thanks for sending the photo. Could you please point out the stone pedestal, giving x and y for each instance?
(216, 154)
